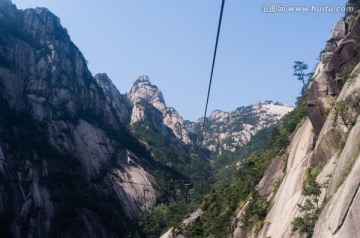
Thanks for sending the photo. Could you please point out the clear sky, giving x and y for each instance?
(172, 42)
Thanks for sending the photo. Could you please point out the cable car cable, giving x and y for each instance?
(212, 71)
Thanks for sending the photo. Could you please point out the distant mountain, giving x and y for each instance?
(228, 131)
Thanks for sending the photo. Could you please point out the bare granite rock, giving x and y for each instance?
(143, 90)
(228, 131)
(284, 208)
(62, 149)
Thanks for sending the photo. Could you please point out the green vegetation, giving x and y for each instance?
(310, 210)
(158, 220)
(299, 71)
(255, 212)
(346, 173)
(256, 207)
(330, 103)
(348, 110)
(171, 163)
(342, 141)
(305, 223)
(229, 188)
(224, 166)
(355, 4)
(175, 161)
(344, 74)
(196, 230)
(352, 162)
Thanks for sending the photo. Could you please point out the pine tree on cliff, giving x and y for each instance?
(299, 72)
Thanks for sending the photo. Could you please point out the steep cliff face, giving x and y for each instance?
(228, 131)
(342, 186)
(326, 149)
(340, 215)
(67, 165)
(118, 102)
(339, 54)
(44, 71)
(289, 193)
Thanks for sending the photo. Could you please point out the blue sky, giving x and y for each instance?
(172, 42)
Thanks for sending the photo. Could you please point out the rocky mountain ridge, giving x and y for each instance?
(143, 91)
(225, 131)
(229, 131)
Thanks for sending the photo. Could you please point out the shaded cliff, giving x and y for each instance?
(64, 150)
